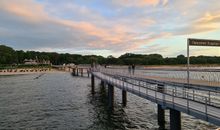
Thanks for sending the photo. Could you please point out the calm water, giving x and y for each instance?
(60, 101)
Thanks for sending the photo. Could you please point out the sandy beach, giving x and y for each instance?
(27, 71)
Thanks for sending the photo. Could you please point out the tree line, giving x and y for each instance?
(10, 56)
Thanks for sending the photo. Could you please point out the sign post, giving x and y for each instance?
(188, 61)
(199, 42)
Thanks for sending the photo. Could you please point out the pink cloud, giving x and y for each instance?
(206, 23)
(115, 37)
(27, 9)
(140, 3)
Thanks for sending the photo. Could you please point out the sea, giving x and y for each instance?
(60, 101)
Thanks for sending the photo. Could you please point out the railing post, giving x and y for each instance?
(183, 92)
(139, 87)
(206, 109)
(146, 89)
(155, 95)
(175, 90)
(123, 83)
(93, 83)
(187, 103)
(159, 88)
(209, 98)
(193, 94)
(173, 97)
(132, 87)
(164, 99)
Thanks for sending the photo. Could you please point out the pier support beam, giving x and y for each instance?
(124, 98)
(88, 73)
(82, 72)
(77, 71)
(110, 96)
(175, 120)
(93, 83)
(102, 85)
(74, 72)
(161, 117)
(160, 110)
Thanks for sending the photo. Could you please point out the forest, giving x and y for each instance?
(9, 56)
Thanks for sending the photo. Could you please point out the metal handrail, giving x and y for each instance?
(191, 96)
(197, 97)
(113, 82)
(189, 86)
(137, 73)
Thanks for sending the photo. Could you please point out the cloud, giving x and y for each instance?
(25, 8)
(44, 31)
(206, 23)
(140, 3)
(112, 26)
(209, 21)
(152, 49)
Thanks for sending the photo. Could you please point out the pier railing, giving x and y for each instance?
(195, 93)
(199, 103)
(210, 77)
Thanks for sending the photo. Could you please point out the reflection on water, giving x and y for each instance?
(60, 101)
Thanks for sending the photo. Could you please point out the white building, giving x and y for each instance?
(30, 62)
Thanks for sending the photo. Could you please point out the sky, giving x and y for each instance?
(110, 27)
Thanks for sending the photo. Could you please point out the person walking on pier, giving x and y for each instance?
(133, 68)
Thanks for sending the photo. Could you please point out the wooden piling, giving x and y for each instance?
(74, 71)
(175, 120)
(161, 117)
(110, 96)
(82, 72)
(160, 110)
(124, 98)
(77, 71)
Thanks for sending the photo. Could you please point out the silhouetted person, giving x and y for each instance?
(133, 68)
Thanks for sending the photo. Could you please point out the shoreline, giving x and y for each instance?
(24, 71)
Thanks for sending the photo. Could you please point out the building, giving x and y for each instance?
(30, 62)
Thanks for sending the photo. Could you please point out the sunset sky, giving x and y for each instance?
(109, 27)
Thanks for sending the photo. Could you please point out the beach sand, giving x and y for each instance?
(28, 71)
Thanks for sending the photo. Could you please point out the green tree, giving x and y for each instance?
(7, 55)
(181, 59)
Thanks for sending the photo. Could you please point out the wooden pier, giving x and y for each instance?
(195, 100)
(75, 70)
